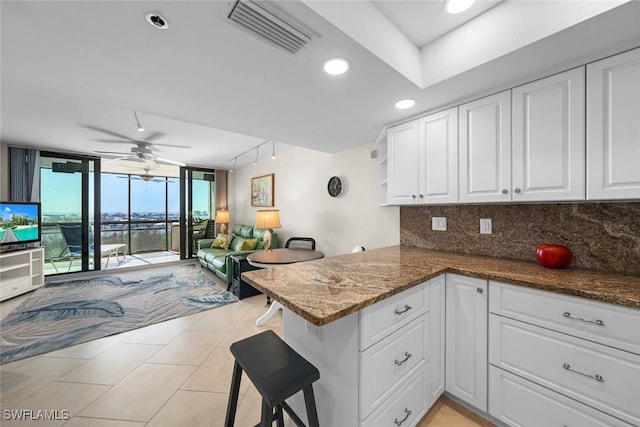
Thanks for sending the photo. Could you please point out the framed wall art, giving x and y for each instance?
(262, 191)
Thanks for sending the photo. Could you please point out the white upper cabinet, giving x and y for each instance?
(485, 149)
(438, 179)
(403, 163)
(549, 138)
(613, 127)
(422, 159)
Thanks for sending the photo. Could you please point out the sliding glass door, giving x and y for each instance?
(68, 185)
(198, 208)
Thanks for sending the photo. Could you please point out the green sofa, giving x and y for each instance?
(219, 260)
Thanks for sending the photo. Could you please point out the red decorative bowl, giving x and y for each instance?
(554, 256)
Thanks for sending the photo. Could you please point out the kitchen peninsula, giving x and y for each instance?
(337, 316)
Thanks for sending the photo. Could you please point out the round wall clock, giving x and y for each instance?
(335, 187)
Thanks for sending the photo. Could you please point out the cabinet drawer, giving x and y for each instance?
(381, 319)
(519, 402)
(602, 377)
(14, 287)
(608, 324)
(385, 366)
(406, 407)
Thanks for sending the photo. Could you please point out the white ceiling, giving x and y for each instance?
(73, 72)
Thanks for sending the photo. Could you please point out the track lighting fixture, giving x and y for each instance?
(138, 124)
(257, 148)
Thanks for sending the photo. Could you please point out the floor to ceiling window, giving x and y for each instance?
(138, 210)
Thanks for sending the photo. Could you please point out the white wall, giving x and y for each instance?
(307, 210)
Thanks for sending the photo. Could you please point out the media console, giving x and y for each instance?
(21, 271)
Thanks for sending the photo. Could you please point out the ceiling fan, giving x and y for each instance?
(146, 176)
(142, 150)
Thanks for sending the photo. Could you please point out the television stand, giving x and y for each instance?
(21, 271)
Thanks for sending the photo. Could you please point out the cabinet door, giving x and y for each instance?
(485, 149)
(613, 127)
(438, 152)
(435, 347)
(403, 163)
(466, 339)
(548, 138)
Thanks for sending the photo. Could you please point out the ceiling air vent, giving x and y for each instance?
(264, 20)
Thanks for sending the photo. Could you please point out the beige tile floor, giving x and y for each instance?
(175, 373)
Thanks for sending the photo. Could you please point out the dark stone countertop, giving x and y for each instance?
(327, 289)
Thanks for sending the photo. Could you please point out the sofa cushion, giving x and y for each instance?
(220, 263)
(249, 244)
(246, 231)
(236, 243)
(222, 241)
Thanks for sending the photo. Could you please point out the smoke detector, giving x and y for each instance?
(157, 20)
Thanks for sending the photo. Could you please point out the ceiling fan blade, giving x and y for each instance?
(106, 131)
(116, 141)
(113, 152)
(171, 162)
(115, 159)
(154, 136)
(170, 145)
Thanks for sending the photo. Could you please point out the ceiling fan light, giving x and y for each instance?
(458, 6)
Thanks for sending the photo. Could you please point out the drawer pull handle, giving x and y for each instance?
(595, 377)
(401, 312)
(571, 316)
(407, 356)
(407, 412)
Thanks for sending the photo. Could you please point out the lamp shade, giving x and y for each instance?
(222, 216)
(268, 219)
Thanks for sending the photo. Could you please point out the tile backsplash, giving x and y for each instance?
(602, 236)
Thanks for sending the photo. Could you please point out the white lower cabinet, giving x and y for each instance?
(402, 373)
(466, 339)
(383, 365)
(550, 366)
(406, 407)
(519, 402)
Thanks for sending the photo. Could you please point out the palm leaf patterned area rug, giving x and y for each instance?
(63, 314)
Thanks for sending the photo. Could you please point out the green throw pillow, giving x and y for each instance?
(221, 241)
(249, 244)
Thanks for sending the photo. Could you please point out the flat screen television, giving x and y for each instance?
(19, 222)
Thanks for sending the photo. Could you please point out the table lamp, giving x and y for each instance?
(268, 218)
(222, 218)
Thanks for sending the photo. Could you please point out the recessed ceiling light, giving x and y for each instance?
(403, 104)
(157, 20)
(458, 6)
(336, 66)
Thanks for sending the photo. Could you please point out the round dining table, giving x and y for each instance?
(277, 258)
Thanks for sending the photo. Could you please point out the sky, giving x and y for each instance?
(60, 193)
(9, 209)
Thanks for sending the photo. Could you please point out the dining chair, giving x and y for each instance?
(301, 243)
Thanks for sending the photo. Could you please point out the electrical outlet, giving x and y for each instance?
(439, 223)
(485, 226)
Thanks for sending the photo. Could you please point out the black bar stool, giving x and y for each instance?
(277, 372)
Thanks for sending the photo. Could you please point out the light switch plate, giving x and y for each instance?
(439, 223)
